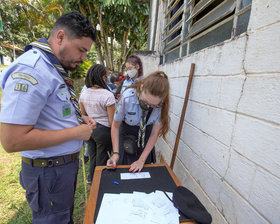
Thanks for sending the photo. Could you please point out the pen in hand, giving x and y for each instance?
(114, 166)
(109, 157)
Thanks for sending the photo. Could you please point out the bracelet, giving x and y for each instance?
(116, 153)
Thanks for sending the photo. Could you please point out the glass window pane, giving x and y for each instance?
(172, 56)
(242, 23)
(218, 35)
(245, 3)
(213, 16)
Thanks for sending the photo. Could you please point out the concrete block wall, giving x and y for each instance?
(229, 150)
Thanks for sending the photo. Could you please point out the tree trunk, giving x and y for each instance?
(124, 47)
(112, 51)
(104, 40)
(99, 52)
(97, 43)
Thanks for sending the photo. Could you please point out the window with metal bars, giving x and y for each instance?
(191, 25)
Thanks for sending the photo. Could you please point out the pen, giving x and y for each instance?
(109, 157)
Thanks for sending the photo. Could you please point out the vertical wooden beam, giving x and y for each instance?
(182, 117)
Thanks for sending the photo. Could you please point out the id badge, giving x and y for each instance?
(66, 110)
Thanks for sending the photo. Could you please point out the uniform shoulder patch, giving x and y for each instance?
(27, 77)
(21, 87)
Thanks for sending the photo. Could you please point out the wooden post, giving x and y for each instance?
(182, 117)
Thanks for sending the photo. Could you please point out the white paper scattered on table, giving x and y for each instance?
(129, 176)
(137, 208)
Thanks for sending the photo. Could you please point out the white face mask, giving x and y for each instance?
(131, 73)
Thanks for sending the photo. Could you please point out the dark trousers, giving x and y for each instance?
(99, 143)
(50, 192)
(126, 159)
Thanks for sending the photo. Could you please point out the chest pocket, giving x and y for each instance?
(63, 95)
(131, 118)
(64, 108)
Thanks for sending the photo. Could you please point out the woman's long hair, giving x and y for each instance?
(157, 84)
(95, 76)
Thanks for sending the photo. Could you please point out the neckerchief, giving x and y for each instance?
(43, 45)
(142, 130)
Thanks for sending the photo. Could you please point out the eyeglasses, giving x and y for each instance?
(150, 105)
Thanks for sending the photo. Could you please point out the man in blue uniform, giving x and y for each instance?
(40, 117)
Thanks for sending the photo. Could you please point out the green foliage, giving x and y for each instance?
(92, 55)
(81, 71)
(13, 24)
(121, 25)
(120, 2)
(125, 22)
(27, 20)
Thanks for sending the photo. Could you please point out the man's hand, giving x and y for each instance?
(84, 131)
(89, 121)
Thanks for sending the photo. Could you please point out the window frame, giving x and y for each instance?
(188, 10)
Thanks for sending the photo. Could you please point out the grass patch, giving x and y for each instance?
(12, 195)
(14, 208)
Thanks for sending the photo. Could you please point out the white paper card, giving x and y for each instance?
(137, 208)
(129, 176)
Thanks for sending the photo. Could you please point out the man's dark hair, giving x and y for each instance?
(95, 76)
(75, 25)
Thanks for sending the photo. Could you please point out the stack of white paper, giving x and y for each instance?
(137, 208)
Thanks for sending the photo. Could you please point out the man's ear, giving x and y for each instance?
(137, 66)
(60, 36)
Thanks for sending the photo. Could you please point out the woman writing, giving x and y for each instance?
(99, 103)
(142, 112)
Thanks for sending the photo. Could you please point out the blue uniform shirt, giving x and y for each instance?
(129, 110)
(128, 82)
(34, 93)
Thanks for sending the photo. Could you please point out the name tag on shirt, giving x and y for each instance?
(131, 113)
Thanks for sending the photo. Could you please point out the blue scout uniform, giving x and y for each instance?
(129, 112)
(34, 93)
(128, 82)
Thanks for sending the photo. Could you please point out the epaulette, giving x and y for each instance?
(31, 57)
(129, 93)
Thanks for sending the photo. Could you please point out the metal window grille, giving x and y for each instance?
(191, 25)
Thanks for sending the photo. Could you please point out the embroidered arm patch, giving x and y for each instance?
(27, 77)
(21, 87)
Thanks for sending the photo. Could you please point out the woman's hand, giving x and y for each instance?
(112, 161)
(137, 165)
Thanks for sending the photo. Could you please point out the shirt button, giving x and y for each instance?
(35, 52)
